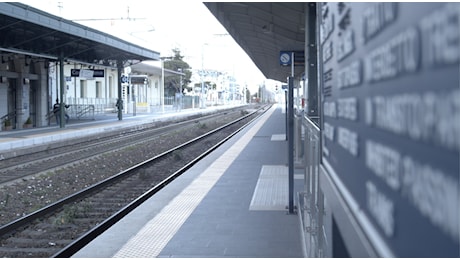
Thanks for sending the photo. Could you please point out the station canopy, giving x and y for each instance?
(30, 31)
(148, 68)
(263, 30)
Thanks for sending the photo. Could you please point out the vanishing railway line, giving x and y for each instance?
(16, 168)
(63, 227)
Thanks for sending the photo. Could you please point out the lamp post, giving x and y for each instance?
(180, 91)
(162, 89)
(202, 104)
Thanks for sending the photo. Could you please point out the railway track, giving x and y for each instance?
(62, 228)
(31, 164)
(31, 192)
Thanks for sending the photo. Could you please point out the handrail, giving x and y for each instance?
(9, 115)
(49, 115)
(86, 110)
(313, 124)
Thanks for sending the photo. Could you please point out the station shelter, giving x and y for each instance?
(35, 47)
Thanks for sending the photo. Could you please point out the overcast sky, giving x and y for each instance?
(161, 26)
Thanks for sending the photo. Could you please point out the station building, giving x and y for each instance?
(97, 70)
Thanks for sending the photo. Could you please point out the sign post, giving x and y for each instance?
(290, 135)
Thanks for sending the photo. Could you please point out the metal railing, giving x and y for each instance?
(311, 203)
(82, 111)
(8, 116)
(99, 105)
(299, 142)
(11, 116)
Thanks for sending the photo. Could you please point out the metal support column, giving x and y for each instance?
(120, 94)
(62, 89)
(286, 111)
(290, 134)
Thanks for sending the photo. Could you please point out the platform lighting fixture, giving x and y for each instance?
(267, 29)
(27, 60)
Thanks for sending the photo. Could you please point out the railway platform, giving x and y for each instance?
(230, 204)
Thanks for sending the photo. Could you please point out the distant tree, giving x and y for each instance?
(172, 83)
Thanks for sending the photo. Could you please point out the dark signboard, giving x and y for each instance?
(391, 118)
(139, 80)
(74, 72)
(98, 73)
(95, 73)
(286, 58)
